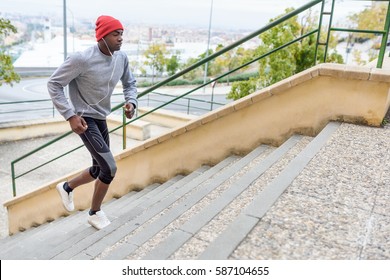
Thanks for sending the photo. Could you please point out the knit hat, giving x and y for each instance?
(105, 25)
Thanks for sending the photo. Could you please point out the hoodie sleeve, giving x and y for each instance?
(129, 85)
(64, 74)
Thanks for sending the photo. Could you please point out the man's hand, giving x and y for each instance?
(78, 124)
(129, 110)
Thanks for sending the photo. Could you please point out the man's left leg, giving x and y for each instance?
(98, 195)
(96, 140)
(97, 218)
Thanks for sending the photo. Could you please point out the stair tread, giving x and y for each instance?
(68, 228)
(85, 232)
(226, 242)
(172, 243)
(138, 239)
(121, 226)
(138, 217)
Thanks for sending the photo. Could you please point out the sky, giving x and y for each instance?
(228, 14)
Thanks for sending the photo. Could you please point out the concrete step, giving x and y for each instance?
(188, 240)
(72, 235)
(60, 230)
(205, 214)
(64, 225)
(209, 237)
(187, 230)
(95, 244)
(227, 187)
(144, 233)
(224, 245)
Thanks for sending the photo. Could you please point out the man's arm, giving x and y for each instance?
(129, 90)
(60, 79)
(64, 74)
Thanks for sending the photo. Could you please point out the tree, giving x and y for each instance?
(7, 72)
(210, 64)
(198, 71)
(156, 58)
(372, 18)
(287, 61)
(195, 73)
(173, 63)
(230, 60)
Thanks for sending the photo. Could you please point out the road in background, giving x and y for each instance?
(34, 89)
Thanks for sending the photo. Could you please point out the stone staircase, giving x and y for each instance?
(208, 214)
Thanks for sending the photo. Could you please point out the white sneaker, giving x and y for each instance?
(67, 199)
(98, 220)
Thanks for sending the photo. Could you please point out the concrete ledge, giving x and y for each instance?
(12, 131)
(164, 117)
(380, 75)
(19, 130)
(139, 129)
(305, 105)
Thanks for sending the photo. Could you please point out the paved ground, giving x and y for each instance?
(340, 203)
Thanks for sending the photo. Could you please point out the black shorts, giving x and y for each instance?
(96, 140)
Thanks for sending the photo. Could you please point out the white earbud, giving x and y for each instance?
(108, 48)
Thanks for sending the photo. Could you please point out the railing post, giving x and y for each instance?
(385, 36)
(123, 129)
(319, 32)
(13, 179)
(329, 30)
(212, 94)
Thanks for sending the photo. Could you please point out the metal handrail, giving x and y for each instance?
(228, 48)
(52, 109)
(200, 63)
(384, 33)
(188, 103)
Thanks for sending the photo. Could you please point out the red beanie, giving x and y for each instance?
(105, 25)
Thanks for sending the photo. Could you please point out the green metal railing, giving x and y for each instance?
(39, 105)
(384, 33)
(188, 106)
(281, 20)
(28, 103)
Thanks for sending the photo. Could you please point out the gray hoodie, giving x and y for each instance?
(92, 77)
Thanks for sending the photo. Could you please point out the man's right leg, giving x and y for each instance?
(83, 178)
(65, 189)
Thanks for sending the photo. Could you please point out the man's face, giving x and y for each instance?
(114, 40)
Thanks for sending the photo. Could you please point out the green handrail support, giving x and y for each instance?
(385, 37)
(319, 32)
(124, 134)
(281, 20)
(329, 30)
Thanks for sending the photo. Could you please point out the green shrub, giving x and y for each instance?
(241, 89)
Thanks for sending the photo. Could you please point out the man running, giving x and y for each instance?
(92, 76)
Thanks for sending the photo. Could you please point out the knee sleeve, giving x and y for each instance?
(94, 171)
(108, 170)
